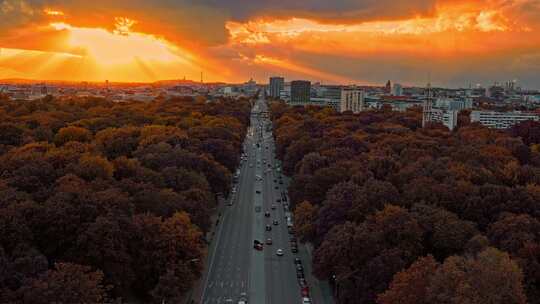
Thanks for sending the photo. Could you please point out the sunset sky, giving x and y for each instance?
(453, 43)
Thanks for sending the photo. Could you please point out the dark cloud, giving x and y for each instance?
(203, 20)
(336, 11)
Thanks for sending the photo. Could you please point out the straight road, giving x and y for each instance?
(234, 267)
(230, 254)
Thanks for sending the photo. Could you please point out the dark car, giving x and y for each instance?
(278, 200)
(299, 268)
(267, 214)
(276, 187)
(300, 275)
(281, 182)
(268, 228)
(302, 282)
(275, 222)
(297, 261)
(294, 249)
(257, 245)
(258, 191)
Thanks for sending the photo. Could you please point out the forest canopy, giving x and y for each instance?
(103, 201)
(402, 214)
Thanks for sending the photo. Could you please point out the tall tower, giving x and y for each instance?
(427, 114)
(388, 87)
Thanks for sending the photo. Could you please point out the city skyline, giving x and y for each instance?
(452, 42)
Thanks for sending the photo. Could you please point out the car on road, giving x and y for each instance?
(306, 300)
(297, 261)
(258, 191)
(251, 165)
(268, 228)
(278, 200)
(273, 207)
(276, 187)
(299, 275)
(243, 298)
(294, 249)
(228, 301)
(275, 222)
(299, 268)
(267, 214)
(279, 252)
(281, 182)
(258, 245)
(268, 241)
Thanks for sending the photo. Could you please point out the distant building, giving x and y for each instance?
(276, 86)
(300, 92)
(329, 95)
(453, 104)
(496, 92)
(331, 92)
(397, 90)
(446, 117)
(388, 87)
(352, 99)
(427, 108)
(250, 87)
(501, 120)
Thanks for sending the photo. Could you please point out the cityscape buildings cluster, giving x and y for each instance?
(497, 106)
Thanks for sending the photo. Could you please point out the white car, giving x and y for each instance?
(279, 252)
(243, 298)
(306, 300)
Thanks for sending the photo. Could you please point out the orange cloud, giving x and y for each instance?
(337, 41)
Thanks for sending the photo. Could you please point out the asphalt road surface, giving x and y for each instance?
(234, 267)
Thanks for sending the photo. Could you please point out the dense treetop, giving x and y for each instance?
(102, 201)
(401, 214)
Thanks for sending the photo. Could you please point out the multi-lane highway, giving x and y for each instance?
(235, 269)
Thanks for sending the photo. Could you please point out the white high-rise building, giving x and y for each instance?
(501, 120)
(352, 99)
(397, 90)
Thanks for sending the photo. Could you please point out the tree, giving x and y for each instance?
(104, 244)
(115, 142)
(72, 133)
(513, 231)
(10, 134)
(410, 286)
(491, 277)
(529, 131)
(446, 234)
(92, 167)
(304, 215)
(335, 210)
(66, 283)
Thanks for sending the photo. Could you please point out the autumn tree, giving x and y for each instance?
(66, 283)
(491, 277)
(72, 133)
